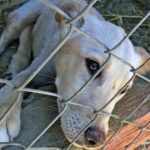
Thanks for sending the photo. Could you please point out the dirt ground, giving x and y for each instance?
(127, 13)
(37, 114)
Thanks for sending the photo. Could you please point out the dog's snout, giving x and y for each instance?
(94, 137)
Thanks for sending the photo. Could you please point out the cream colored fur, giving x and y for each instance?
(37, 30)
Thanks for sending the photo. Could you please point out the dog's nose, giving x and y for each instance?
(94, 137)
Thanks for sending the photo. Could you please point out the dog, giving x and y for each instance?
(40, 29)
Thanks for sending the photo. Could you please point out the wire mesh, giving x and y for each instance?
(22, 88)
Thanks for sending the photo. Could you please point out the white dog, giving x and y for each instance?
(40, 29)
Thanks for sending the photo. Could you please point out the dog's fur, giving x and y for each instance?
(39, 30)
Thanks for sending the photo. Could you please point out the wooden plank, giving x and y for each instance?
(128, 133)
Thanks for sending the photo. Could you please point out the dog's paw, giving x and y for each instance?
(10, 121)
(10, 125)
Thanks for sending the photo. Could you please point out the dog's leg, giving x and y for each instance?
(10, 127)
(8, 94)
(18, 20)
(13, 122)
(3, 134)
(21, 59)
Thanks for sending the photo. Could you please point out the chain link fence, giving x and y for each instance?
(108, 51)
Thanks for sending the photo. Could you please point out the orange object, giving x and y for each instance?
(128, 133)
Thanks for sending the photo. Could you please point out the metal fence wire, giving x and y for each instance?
(108, 51)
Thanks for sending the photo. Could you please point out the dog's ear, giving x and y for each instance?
(144, 56)
(72, 9)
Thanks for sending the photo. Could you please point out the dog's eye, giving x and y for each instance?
(92, 66)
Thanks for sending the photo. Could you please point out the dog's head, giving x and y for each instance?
(78, 60)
